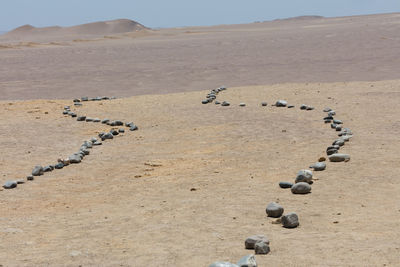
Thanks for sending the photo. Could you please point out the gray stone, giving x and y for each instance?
(85, 98)
(78, 104)
(247, 261)
(10, 185)
(242, 104)
(75, 158)
(107, 136)
(281, 103)
(301, 188)
(222, 264)
(327, 109)
(217, 102)
(310, 108)
(225, 104)
(59, 165)
(133, 128)
(333, 126)
(85, 151)
(303, 107)
(20, 181)
(96, 120)
(274, 210)
(76, 100)
(252, 240)
(118, 123)
(121, 130)
(205, 101)
(88, 119)
(73, 115)
(37, 171)
(338, 142)
(338, 128)
(261, 248)
(114, 132)
(290, 106)
(290, 220)
(65, 112)
(331, 151)
(337, 121)
(88, 144)
(48, 168)
(304, 176)
(339, 157)
(285, 184)
(97, 143)
(331, 113)
(264, 104)
(81, 118)
(319, 166)
(105, 121)
(30, 178)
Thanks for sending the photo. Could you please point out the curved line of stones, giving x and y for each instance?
(84, 149)
(303, 180)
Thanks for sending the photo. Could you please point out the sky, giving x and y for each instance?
(177, 13)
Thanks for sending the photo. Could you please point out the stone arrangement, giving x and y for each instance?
(84, 149)
(302, 182)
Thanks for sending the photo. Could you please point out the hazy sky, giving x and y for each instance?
(174, 13)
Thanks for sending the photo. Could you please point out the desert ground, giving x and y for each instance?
(193, 182)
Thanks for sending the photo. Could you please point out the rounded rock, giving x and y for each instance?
(247, 261)
(285, 185)
(301, 188)
(290, 220)
(274, 210)
(37, 171)
(264, 104)
(281, 103)
(252, 240)
(304, 176)
(319, 166)
(10, 185)
(30, 178)
(339, 157)
(261, 248)
(222, 264)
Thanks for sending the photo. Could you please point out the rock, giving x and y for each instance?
(285, 185)
(303, 107)
(261, 248)
(10, 185)
(121, 130)
(75, 158)
(274, 210)
(105, 121)
(331, 113)
(281, 103)
(97, 143)
(88, 119)
(247, 261)
(107, 136)
(337, 121)
(119, 123)
(65, 112)
(264, 104)
(59, 165)
(290, 220)
(225, 104)
(85, 151)
(48, 168)
(290, 106)
(76, 100)
(85, 98)
(331, 151)
(20, 181)
(338, 128)
(327, 109)
(242, 104)
(252, 240)
(339, 157)
(88, 144)
(217, 102)
(133, 128)
(78, 104)
(345, 138)
(37, 171)
(205, 101)
(30, 178)
(319, 166)
(301, 188)
(96, 120)
(81, 118)
(222, 264)
(321, 159)
(114, 132)
(333, 126)
(310, 108)
(73, 115)
(304, 176)
(338, 142)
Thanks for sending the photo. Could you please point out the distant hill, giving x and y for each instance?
(95, 28)
(310, 17)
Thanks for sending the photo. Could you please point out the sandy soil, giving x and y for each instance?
(198, 58)
(130, 202)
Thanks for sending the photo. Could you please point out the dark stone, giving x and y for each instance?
(319, 166)
(133, 128)
(81, 118)
(274, 210)
(30, 178)
(59, 165)
(261, 248)
(285, 185)
(10, 184)
(114, 132)
(247, 261)
(105, 121)
(37, 171)
(76, 100)
(301, 188)
(85, 98)
(121, 130)
(290, 220)
(264, 104)
(252, 240)
(225, 104)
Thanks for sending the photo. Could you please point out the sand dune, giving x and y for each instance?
(95, 28)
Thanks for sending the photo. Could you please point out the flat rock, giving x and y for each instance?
(290, 220)
(301, 188)
(225, 104)
(261, 248)
(285, 185)
(247, 261)
(242, 104)
(274, 210)
(327, 109)
(10, 185)
(75, 158)
(339, 157)
(81, 118)
(281, 103)
(37, 171)
(133, 128)
(252, 240)
(30, 178)
(319, 166)
(264, 104)
(304, 176)
(59, 165)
